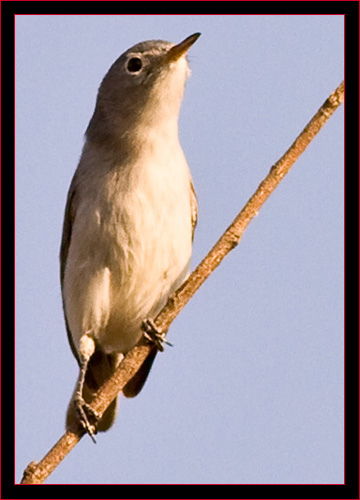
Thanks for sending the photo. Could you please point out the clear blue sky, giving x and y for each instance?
(252, 391)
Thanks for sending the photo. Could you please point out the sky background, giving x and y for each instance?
(252, 391)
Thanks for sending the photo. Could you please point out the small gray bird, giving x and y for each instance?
(129, 219)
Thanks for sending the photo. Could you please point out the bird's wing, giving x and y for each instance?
(194, 208)
(101, 365)
(69, 217)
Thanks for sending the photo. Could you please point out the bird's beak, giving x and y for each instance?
(181, 48)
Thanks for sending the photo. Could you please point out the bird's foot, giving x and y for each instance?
(88, 417)
(153, 334)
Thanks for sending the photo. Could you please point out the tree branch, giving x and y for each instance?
(36, 473)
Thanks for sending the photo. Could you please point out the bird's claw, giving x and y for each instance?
(154, 335)
(86, 412)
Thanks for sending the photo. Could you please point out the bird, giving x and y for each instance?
(129, 220)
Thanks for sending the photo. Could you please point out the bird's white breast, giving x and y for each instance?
(130, 246)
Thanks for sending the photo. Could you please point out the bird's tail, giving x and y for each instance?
(136, 383)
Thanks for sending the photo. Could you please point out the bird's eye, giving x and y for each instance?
(134, 65)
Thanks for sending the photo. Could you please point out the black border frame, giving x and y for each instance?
(350, 9)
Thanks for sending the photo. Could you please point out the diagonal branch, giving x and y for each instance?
(36, 473)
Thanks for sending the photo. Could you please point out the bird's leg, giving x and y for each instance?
(152, 333)
(84, 410)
